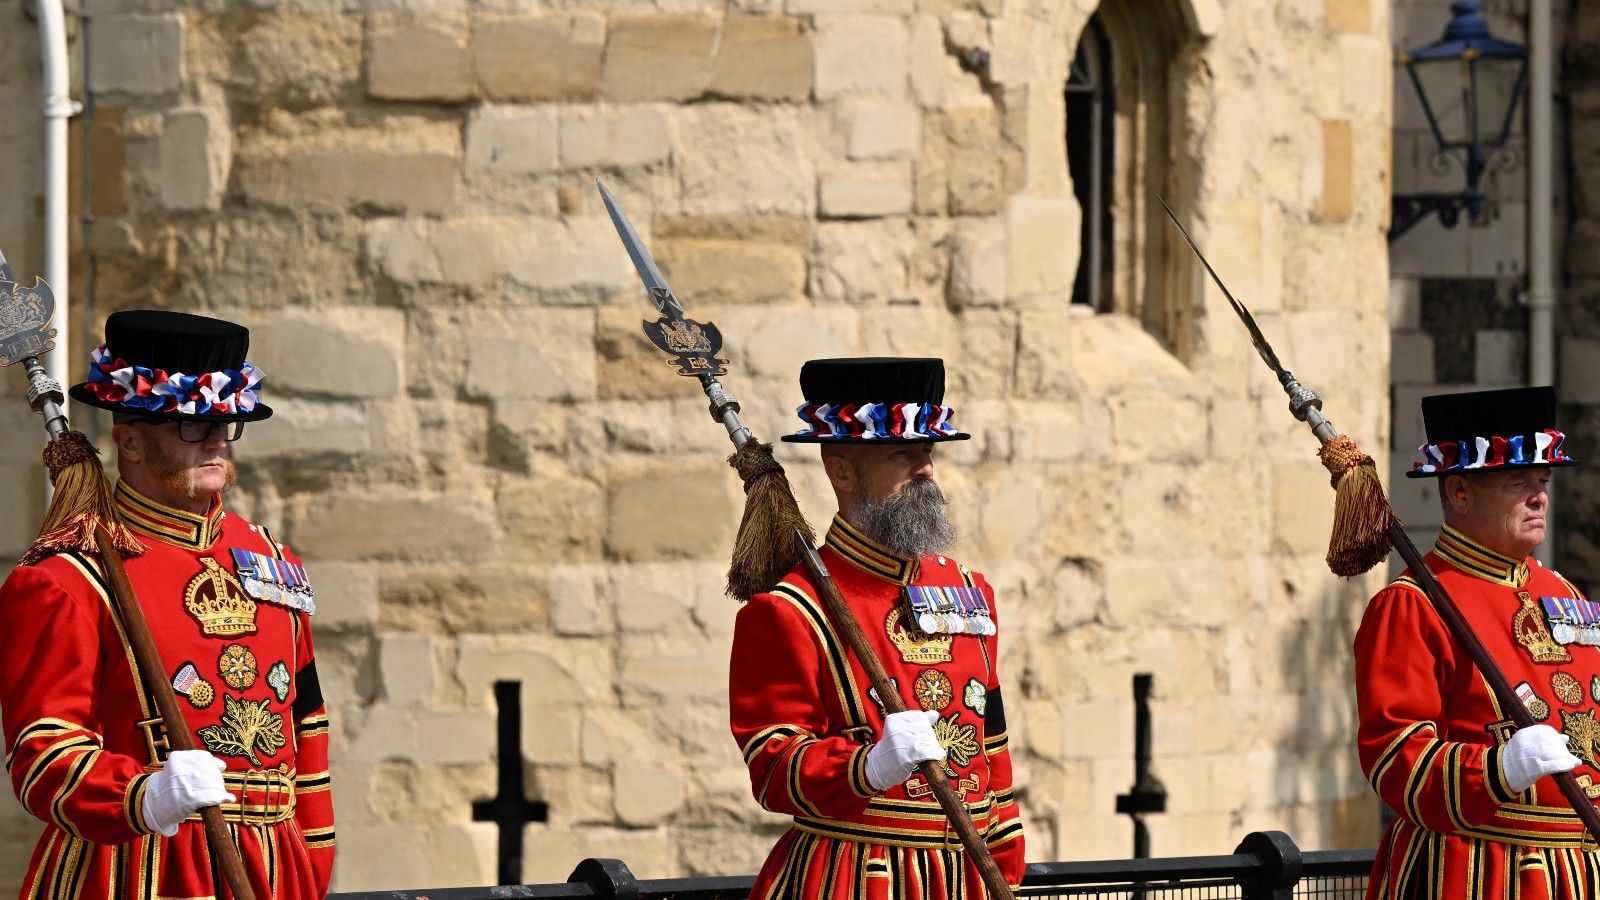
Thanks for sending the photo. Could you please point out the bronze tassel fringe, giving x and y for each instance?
(1361, 512)
(82, 500)
(763, 551)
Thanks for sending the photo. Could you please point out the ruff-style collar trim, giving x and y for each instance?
(1474, 558)
(868, 555)
(165, 523)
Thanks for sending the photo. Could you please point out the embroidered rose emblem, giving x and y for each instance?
(238, 666)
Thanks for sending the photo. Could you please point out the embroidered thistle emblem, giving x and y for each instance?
(1583, 732)
(246, 726)
(960, 742)
(238, 666)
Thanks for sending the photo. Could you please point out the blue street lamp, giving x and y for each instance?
(1469, 83)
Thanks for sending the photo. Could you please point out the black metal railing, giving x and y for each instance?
(1265, 866)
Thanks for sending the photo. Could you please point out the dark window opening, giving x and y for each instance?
(1090, 120)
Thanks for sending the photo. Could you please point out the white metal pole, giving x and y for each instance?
(58, 108)
(1541, 281)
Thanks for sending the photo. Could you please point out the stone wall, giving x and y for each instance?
(492, 476)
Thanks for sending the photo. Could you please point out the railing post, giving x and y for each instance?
(609, 878)
(1281, 865)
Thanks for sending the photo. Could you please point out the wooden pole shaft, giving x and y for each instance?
(178, 737)
(1503, 692)
(954, 808)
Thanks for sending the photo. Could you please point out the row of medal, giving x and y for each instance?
(949, 610)
(1573, 620)
(274, 580)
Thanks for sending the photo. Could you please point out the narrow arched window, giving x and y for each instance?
(1091, 110)
(1125, 129)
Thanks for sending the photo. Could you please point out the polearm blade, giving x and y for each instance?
(1303, 401)
(5, 270)
(1307, 407)
(693, 346)
(661, 296)
(1262, 347)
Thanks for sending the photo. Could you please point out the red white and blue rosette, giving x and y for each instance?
(121, 385)
(1492, 453)
(877, 422)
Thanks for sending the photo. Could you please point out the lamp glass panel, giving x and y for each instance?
(1497, 86)
(1446, 92)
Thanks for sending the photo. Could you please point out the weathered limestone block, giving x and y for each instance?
(455, 737)
(927, 60)
(661, 513)
(763, 58)
(775, 341)
(354, 353)
(416, 251)
(884, 131)
(297, 60)
(726, 271)
(547, 354)
(860, 54)
(1158, 428)
(512, 140)
(741, 160)
(305, 430)
(408, 164)
(568, 254)
(196, 152)
(406, 669)
(554, 56)
(861, 262)
(1040, 265)
(1338, 174)
(576, 607)
(570, 673)
(966, 142)
(1302, 507)
(865, 190)
(658, 597)
(138, 54)
(1053, 431)
(672, 676)
(374, 865)
(659, 56)
(615, 136)
(554, 514)
(22, 486)
(979, 264)
(645, 794)
(347, 594)
(367, 526)
(412, 57)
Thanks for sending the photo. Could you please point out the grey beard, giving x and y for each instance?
(910, 522)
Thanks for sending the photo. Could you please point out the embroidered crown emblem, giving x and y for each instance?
(914, 646)
(218, 603)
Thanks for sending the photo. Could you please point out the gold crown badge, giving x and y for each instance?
(914, 646)
(218, 603)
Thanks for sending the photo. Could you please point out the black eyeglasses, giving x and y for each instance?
(196, 431)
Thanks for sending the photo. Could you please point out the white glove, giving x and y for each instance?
(190, 780)
(907, 740)
(1533, 753)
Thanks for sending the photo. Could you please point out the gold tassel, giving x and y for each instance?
(1361, 512)
(82, 499)
(763, 551)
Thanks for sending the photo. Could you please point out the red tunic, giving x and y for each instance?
(805, 716)
(1430, 734)
(83, 737)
